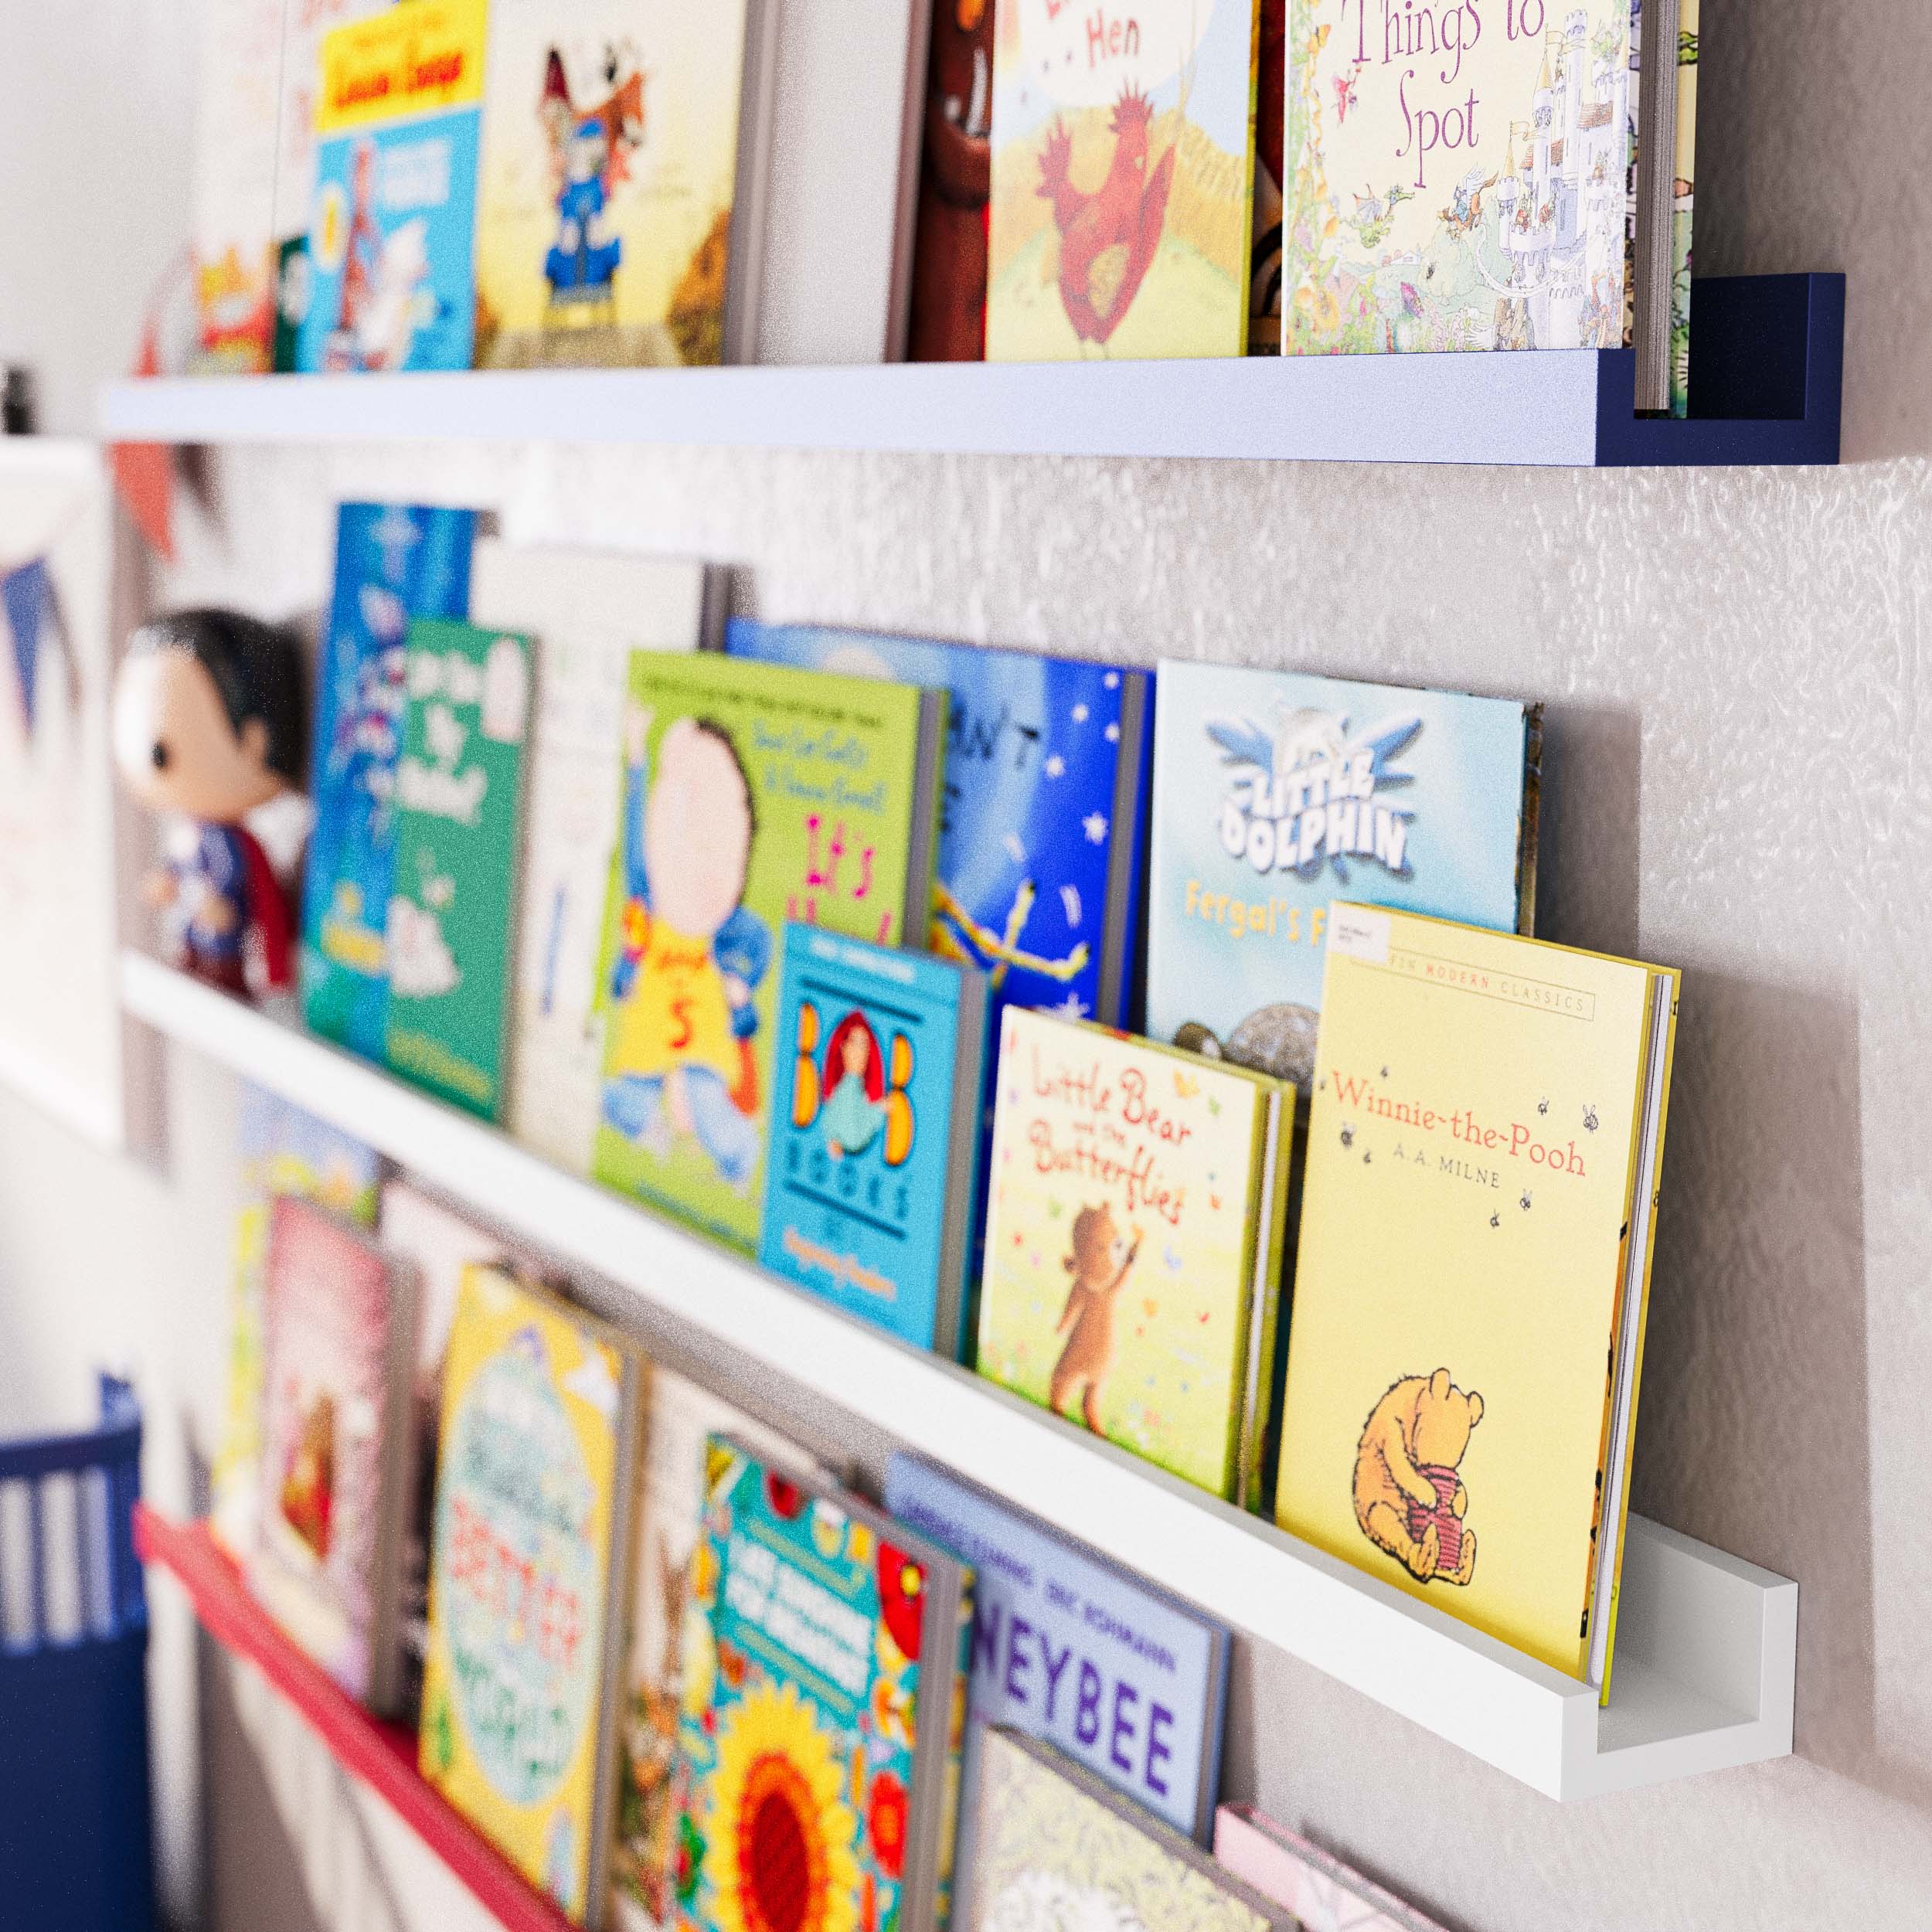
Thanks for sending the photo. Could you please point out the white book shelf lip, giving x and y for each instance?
(1706, 1644)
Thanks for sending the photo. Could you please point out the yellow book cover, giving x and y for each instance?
(1133, 1239)
(535, 1495)
(609, 182)
(1486, 1124)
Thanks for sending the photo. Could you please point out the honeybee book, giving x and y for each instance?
(1477, 1217)
(1132, 1237)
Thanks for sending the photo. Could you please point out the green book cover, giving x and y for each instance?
(752, 794)
(458, 787)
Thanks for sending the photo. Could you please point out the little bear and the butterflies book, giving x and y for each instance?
(1484, 1144)
(875, 1128)
(824, 1709)
(1137, 1198)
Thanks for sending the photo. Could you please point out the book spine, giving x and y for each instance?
(744, 273)
(1121, 950)
(962, 1168)
(923, 838)
(387, 1634)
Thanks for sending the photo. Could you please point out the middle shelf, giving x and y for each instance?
(1707, 1643)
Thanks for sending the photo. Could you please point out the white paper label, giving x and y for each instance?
(1357, 933)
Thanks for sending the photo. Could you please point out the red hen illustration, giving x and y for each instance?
(1107, 238)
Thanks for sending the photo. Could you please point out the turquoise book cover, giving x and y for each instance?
(393, 563)
(873, 1131)
(458, 793)
(1275, 792)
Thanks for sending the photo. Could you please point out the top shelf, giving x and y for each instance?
(1766, 383)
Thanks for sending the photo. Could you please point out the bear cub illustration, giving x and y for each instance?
(1408, 1498)
(1099, 1270)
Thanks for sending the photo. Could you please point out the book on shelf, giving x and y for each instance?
(390, 261)
(679, 1417)
(1485, 1144)
(1038, 871)
(751, 794)
(1275, 791)
(438, 1246)
(338, 1323)
(394, 562)
(588, 610)
(1134, 1230)
(1125, 1679)
(282, 1151)
(1455, 188)
(1321, 1893)
(947, 322)
(622, 183)
(875, 1133)
(459, 817)
(1123, 162)
(1270, 122)
(535, 1518)
(818, 1757)
(1054, 1845)
(1684, 206)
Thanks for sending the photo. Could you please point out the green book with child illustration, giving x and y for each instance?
(752, 794)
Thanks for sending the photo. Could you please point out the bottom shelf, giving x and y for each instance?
(381, 1756)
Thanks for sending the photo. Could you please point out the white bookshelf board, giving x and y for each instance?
(1706, 1644)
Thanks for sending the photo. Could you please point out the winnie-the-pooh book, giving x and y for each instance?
(1136, 1199)
(615, 226)
(338, 1330)
(1477, 1217)
(750, 794)
(459, 821)
(1275, 791)
(1123, 160)
(534, 1518)
(679, 1416)
(824, 1704)
(1055, 1846)
(589, 609)
(875, 1128)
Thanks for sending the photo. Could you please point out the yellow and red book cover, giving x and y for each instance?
(1477, 1141)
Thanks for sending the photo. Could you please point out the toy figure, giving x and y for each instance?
(678, 1059)
(209, 724)
(1088, 1320)
(855, 1108)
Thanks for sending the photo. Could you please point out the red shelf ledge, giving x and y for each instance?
(381, 1756)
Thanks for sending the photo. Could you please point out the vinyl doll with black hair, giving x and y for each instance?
(210, 723)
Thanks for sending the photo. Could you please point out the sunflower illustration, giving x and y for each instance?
(781, 1830)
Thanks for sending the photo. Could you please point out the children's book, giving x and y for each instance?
(338, 1325)
(302, 30)
(817, 1772)
(453, 899)
(1122, 180)
(622, 182)
(283, 1150)
(752, 794)
(589, 609)
(1274, 792)
(234, 184)
(679, 1416)
(1133, 1231)
(948, 319)
(1683, 206)
(1124, 1678)
(391, 230)
(438, 1246)
(1270, 108)
(1054, 1845)
(392, 564)
(1323, 1894)
(1039, 841)
(1484, 1148)
(875, 1133)
(535, 1514)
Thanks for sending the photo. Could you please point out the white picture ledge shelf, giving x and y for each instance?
(1706, 1644)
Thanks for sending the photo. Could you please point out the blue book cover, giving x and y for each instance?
(874, 1129)
(1275, 792)
(1126, 1680)
(1038, 876)
(392, 564)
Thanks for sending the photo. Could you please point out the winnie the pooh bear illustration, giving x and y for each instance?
(1408, 1498)
(1088, 1320)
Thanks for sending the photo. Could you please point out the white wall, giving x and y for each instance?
(1739, 673)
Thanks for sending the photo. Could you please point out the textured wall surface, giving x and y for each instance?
(1739, 769)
